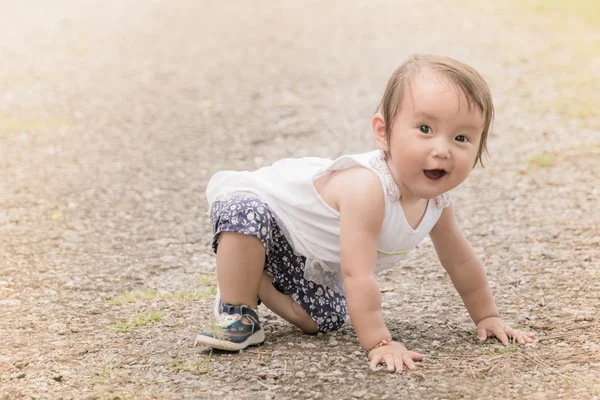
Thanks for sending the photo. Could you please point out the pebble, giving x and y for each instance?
(359, 395)
(21, 364)
(300, 375)
(10, 302)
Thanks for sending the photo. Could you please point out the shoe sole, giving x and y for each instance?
(253, 340)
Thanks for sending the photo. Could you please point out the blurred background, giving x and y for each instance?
(114, 115)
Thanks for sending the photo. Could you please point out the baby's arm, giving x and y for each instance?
(361, 205)
(467, 274)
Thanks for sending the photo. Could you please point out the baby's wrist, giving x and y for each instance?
(381, 343)
(492, 315)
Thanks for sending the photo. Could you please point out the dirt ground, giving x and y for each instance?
(114, 114)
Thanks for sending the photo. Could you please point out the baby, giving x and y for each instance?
(306, 236)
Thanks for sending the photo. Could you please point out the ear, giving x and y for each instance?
(378, 125)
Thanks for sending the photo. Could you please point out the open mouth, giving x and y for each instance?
(435, 174)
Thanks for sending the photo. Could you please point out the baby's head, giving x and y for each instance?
(463, 78)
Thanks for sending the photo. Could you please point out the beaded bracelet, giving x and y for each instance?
(382, 343)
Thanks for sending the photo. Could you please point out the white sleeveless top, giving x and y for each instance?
(313, 227)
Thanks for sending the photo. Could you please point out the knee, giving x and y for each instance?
(304, 321)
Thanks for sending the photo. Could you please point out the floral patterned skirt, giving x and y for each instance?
(247, 214)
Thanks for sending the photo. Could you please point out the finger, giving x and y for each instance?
(481, 334)
(375, 362)
(529, 337)
(408, 361)
(399, 364)
(524, 337)
(511, 333)
(416, 356)
(499, 333)
(389, 360)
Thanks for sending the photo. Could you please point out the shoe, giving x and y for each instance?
(230, 333)
(218, 304)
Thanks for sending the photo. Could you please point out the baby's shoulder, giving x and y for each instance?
(358, 183)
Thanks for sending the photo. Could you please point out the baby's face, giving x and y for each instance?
(434, 139)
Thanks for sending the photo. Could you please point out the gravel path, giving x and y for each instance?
(114, 114)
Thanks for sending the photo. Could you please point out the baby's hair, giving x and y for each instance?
(470, 82)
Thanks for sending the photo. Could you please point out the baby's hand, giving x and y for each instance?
(395, 356)
(494, 326)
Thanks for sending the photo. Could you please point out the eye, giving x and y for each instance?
(425, 129)
(461, 138)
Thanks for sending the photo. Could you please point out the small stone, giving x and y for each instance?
(270, 381)
(57, 326)
(58, 378)
(358, 394)
(50, 292)
(3, 283)
(21, 364)
(272, 375)
(358, 375)
(20, 375)
(300, 375)
(10, 302)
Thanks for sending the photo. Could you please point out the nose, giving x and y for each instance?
(441, 149)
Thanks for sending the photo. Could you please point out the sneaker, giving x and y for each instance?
(230, 333)
(219, 304)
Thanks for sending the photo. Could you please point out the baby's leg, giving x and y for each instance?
(240, 264)
(284, 306)
(241, 224)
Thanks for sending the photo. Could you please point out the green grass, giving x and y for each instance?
(135, 296)
(149, 294)
(187, 295)
(139, 320)
(13, 124)
(207, 280)
(513, 347)
(200, 367)
(587, 11)
(138, 394)
(544, 160)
